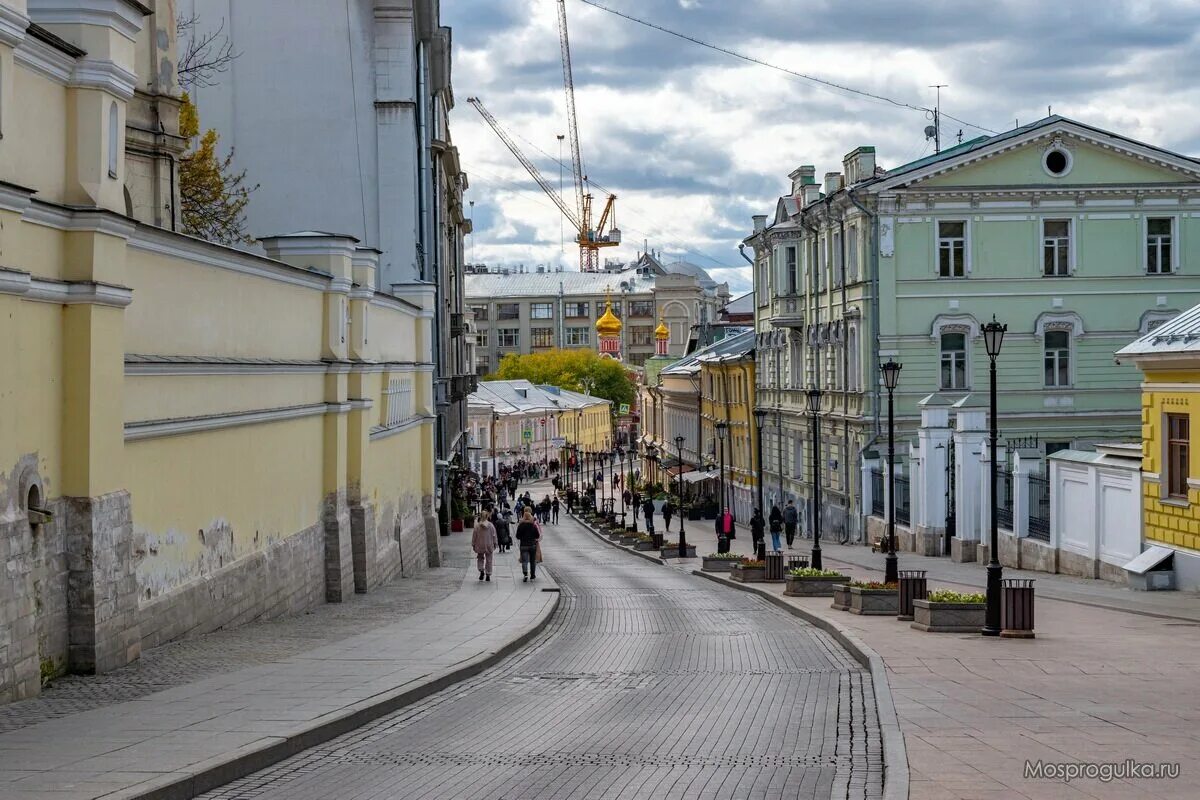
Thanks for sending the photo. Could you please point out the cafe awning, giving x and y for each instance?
(696, 477)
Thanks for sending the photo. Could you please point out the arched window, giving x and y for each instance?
(114, 142)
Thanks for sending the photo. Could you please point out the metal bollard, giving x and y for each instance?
(1016, 608)
(913, 586)
(775, 566)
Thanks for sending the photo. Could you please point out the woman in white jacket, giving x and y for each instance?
(483, 542)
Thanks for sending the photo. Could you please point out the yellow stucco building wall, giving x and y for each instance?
(1172, 521)
(191, 436)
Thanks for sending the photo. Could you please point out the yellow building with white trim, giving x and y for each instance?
(191, 436)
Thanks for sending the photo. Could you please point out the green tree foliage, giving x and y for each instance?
(212, 196)
(577, 370)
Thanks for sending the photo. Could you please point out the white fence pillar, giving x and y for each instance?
(929, 487)
(1020, 479)
(971, 424)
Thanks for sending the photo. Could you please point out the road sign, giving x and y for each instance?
(624, 409)
(527, 435)
(558, 441)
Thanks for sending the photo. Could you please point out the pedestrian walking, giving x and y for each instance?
(790, 517)
(726, 520)
(502, 522)
(758, 527)
(648, 513)
(776, 525)
(668, 510)
(528, 537)
(484, 543)
(554, 509)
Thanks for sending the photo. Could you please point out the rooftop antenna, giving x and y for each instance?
(937, 113)
(960, 135)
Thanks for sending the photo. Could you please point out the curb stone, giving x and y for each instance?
(250, 759)
(611, 543)
(895, 754)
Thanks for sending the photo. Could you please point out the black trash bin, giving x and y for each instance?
(1016, 608)
(913, 586)
(797, 562)
(775, 566)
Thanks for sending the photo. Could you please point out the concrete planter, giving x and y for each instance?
(629, 541)
(718, 564)
(812, 587)
(948, 617)
(874, 602)
(748, 574)
(615, 536)
(645, 547)
(841, 597)
(673, 552)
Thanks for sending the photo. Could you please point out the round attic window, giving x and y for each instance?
(1057, 162)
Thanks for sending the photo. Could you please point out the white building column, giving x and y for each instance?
(971, 424)
(1022, 467)
(933, 437)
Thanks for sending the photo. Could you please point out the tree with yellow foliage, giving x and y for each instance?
(212, 196)
(577, 370)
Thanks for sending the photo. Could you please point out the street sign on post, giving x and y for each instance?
(558, 441)
(624, 409)
(527, 435)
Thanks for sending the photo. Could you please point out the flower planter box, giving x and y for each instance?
(948, 617)
(629, 541)
(615, 536)
(841, 597)
(718, 564)
(645, 547)
(673, 552)
(812, 587)
(748, 574)
(874, 602)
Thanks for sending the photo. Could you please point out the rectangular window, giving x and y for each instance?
(1056, 247)
(508, 337)
(641, 308)
(1158, 245)
(399, 401)
(952, 249)
(576, 310)
(508, 311)
(480, 312)
(481, 338)
(1058, 359)
(851, 253)
(616, 307)
(541, 311)
(954, 361)
(641, 335)
(1178, 438)
(837, 261)
(579, 337)
(542, 337)
(789, 261)
(482, 368)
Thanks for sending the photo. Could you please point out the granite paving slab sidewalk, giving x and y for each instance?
(194, 735)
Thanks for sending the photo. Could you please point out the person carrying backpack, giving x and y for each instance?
(790, 518)
(528, 535)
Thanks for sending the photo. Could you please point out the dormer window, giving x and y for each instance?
(1057, 161)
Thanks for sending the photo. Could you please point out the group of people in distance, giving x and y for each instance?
(494, 531)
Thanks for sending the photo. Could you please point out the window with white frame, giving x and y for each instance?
(852, 359)
(481, 338)
(398, 401)
(575, 310)
(789, 267)
(480, 312)
(578, 337)
(952, 248)
(542, 337)
(851, 253)
(954, 361)
(797, 457)
(1056, 247)
(114, 139)
(508, 337)
(508, 311)
(1159, 244)
(1057, 359)
(837, 261)
(541, 311)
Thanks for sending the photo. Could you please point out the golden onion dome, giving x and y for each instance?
(661, 331)
(608, 324)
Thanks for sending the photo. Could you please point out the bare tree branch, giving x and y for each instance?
(203, 54)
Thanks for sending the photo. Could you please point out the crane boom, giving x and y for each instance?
(572, 124)
(525, 162)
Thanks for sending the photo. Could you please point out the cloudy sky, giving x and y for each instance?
(694, 141)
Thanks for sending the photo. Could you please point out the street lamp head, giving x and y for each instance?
(722, 429)
(813, 398)
(679, 442)
(760, 415)
(993, 337)
(891, 373)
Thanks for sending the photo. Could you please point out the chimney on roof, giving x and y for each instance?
(802, 176)
(812, 193)
(859, 165)
(760, 222)
(833, 182)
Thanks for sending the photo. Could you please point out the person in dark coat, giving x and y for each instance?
(668, 511)
(554, 509)
(648, 513)
(758, 528)
(503, 522)
(776, 523)
(790, 518)
(528, 535)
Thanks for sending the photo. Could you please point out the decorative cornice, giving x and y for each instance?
(39, 57)
(108, 76)
(13, 197)
(65, 218)
(1058, 320)
(122, 16)
(136, 364)
(420, 420)
(12, 26)
(157, 428)
(24, 285)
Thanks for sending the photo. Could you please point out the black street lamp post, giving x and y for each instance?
(813, 396)
(630, 485)
(760, 415)
(993, 338)
(722, 431)
(621, 472)
(891, 374)
(682, 538)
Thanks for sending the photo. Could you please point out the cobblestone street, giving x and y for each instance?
(648, 683)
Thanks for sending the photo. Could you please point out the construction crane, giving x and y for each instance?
(590, 239)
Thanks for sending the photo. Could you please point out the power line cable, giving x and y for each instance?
(760, 62)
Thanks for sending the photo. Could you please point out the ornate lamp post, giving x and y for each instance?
(813, 398)
(993, 338)
(652, 458)
(682, 539)
(760, 415)
(891, 374)
(633, 495)
(621, 472)
(722, 430)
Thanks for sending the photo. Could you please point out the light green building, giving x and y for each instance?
(1078, 239)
